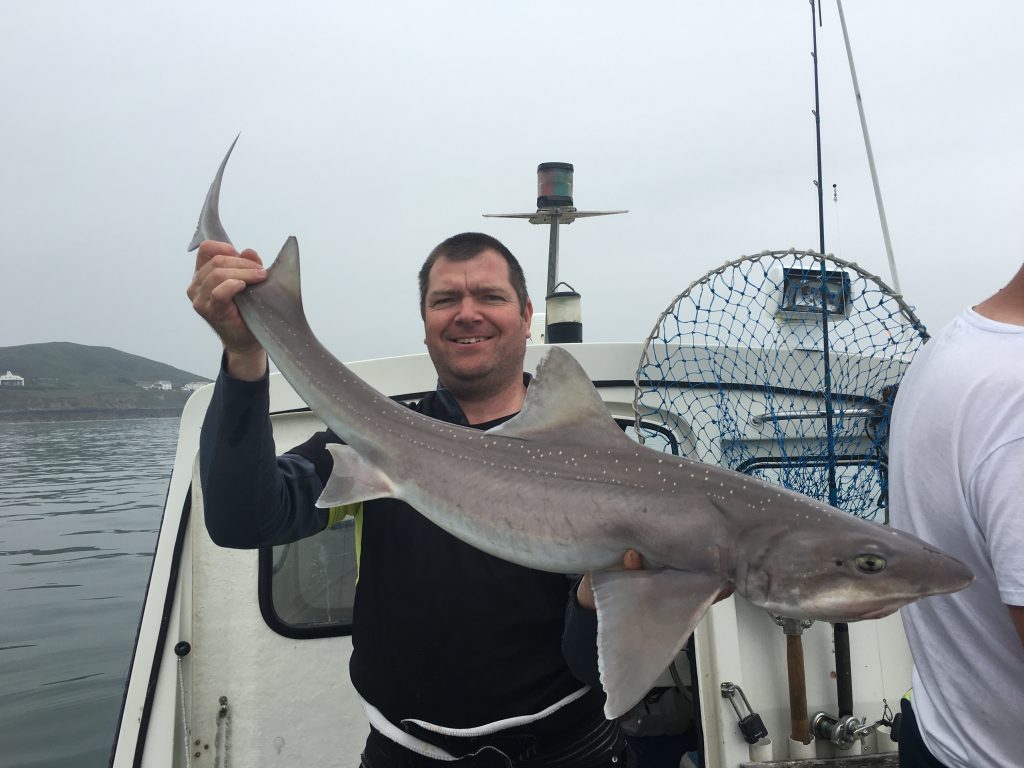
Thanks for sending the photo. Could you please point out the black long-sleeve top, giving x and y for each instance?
(442, 632)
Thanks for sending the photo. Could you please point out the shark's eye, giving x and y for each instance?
(869, 563)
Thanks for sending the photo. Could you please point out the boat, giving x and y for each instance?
(244, 653)
(781, 364)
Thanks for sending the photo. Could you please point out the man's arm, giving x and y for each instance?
(1017, 617)
(252, 497)
(995, 493)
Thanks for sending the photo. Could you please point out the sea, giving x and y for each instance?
(80, 508)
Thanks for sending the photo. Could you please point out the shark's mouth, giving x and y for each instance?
(879, 613)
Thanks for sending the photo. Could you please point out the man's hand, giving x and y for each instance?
(221, 274)
(631, 561)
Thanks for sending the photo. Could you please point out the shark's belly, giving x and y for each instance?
(554, 523)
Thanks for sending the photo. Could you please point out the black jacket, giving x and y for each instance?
(442, 632)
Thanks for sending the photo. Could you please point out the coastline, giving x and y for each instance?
(89, 402)
(87, 414)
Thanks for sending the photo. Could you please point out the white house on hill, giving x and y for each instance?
(11, 380)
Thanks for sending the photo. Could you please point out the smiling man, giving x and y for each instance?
(467, 645)
(476, 319)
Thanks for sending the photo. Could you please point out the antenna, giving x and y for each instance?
(563, 318)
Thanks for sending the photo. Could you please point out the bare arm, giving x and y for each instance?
(221, 274)
(1017, 617)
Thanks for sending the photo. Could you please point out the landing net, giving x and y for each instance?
(782, 365)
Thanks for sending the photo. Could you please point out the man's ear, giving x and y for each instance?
(528, 316)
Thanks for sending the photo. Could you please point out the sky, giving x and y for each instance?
(372, 131)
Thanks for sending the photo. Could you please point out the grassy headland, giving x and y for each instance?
(65, 381)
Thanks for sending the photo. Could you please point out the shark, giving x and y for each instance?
(561, 488)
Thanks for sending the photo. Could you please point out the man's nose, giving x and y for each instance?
(469, 310)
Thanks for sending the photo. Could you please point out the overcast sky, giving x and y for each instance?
(372, 131)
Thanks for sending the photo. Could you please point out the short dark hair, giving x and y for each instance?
(464, 247)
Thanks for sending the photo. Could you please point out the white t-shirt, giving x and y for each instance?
(957, 481)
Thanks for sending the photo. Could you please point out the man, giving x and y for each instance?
(442, 632)
(957, 448)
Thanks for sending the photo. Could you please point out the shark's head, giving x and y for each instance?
(840, 568)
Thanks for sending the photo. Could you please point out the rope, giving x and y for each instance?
(223, 738)
(185, 730)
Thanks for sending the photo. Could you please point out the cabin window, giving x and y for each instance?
(307, 588)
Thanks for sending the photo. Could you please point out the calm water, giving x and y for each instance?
(80, 507)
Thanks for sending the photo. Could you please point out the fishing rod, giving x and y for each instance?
(840, 630)
(871, 156)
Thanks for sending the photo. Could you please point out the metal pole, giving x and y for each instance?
(553, 253)
(871, 156)
(844, 671)
(799, 727)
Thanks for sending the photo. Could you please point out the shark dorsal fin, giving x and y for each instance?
(562, 401)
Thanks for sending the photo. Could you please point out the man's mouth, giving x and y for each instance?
(470, 340)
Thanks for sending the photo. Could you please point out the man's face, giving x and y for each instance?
(476, 331)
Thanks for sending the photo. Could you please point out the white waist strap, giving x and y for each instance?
(500, 725)
(420, 747)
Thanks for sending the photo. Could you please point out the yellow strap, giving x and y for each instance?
(336, 514)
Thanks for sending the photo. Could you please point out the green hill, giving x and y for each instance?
(73, 381)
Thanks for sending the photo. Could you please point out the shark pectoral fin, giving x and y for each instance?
(643, 620)
(353, 479)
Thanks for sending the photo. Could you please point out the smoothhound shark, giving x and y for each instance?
(561, 488)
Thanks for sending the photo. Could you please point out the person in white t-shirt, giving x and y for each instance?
(956, 452)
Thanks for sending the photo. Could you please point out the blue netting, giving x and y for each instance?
(783, 365)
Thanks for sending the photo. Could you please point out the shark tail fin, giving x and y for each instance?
(209, 226)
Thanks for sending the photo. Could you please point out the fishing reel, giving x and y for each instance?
(844, 730)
